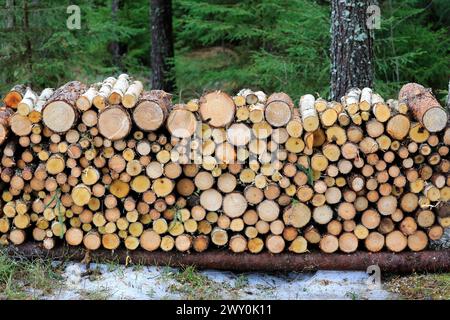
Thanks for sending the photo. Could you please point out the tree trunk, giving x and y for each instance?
(162, 44)
(11, 15)
(117, 48)
(26, 30)
(351, 46)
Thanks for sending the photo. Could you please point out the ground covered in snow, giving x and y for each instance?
(22, 278)
(102, 281)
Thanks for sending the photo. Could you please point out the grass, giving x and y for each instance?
(101, 294)
(435, 286)
(22, 278)
(193, 285)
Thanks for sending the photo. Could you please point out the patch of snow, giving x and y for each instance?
(120, 282)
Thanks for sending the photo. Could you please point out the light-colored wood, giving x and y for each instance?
(211, 200)
(100, 100)
(114, 123)
(308, 113)
(152, 110)
(278, 110)
(84, 102)
(234, 204)
(181, 123)
(329, 243)
(268, 210)
(396, 241)
(118, 90)
(217, 109)
(131, 96)
(275, 243)
(26, 105)
(297, 215)
(59, 113)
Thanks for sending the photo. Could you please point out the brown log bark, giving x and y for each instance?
(424, 106)
(152, 110)
(60, 113)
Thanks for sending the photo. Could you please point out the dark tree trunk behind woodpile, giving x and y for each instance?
(26, 30)
(10, 16)
(117, 48)
(162, 50)
(351, 46)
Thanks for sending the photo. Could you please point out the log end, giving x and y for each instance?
(435, 119)
(59, 116)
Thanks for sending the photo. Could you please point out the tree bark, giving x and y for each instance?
(117, 48)
(162, 50)
(351, 46)
(26, 30)
(11, 15)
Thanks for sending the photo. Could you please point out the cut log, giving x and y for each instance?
(278, 110)
(5, 114)
(81, 194)
(131, 96)
(396, 241)
(275, 243)
(398, 126)
(119, 89)
(308, 113)
(239, 134)
(374, 242)
(351, 101)
(20, 125)
(163, 186)
(200, 243)
(150, 240)
(219, 237)
(297, 215)
(238, 243)
(299, 245)
(152, 110)
(365, 100)
(59, 113)
(217, 109)
(348, 242)
(114, 123)
(418, 241)
(74, 236)
(26, 105)
(14, 96)
(181, 123)
(211, 200)
(84, 102)
(100, 99)
(387, 205)
(329, 243)
(322, 214)
(234, 205)
(424, 106)
(268, 210)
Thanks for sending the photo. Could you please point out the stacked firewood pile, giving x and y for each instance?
(112, 165)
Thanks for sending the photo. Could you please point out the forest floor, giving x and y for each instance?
(44, 279)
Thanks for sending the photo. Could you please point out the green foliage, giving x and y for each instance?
(58, 54)
(411, 47)
(272, 45)
(21, 278)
